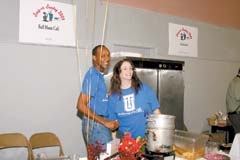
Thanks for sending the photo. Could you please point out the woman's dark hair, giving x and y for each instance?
(115, 83)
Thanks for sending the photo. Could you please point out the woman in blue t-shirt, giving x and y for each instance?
(130, 100)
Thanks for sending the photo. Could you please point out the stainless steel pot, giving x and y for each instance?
(160, 133)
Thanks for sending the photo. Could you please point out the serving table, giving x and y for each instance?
(57, 158)
(228, 129)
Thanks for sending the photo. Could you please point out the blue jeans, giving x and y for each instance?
(95, 132)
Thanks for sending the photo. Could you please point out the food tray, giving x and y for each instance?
(189, 145)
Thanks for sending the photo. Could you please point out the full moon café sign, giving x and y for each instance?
(47, 23)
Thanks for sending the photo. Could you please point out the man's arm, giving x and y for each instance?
(83, 107)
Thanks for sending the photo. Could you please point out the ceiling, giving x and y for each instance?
(224, 13)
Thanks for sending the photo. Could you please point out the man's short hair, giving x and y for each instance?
(94, 51)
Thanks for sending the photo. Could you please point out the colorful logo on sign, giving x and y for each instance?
(49, 14)
(183, 34)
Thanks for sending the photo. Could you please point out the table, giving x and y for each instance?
(228, 129)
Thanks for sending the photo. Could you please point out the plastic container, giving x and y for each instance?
(189, 145)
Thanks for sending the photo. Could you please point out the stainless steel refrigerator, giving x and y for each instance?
(166, 79)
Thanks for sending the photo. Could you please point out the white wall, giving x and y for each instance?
(39, 85)
(206, 77)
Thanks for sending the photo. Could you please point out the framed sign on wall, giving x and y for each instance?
(183, 40)
(47, 23)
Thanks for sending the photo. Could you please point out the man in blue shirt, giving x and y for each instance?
(92, 102)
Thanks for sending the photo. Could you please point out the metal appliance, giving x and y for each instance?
(160, 137)
(160, 133)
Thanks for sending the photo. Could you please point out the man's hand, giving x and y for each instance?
(111, 124)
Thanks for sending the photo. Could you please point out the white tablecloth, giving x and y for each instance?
(235, 149)
(177, 158)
